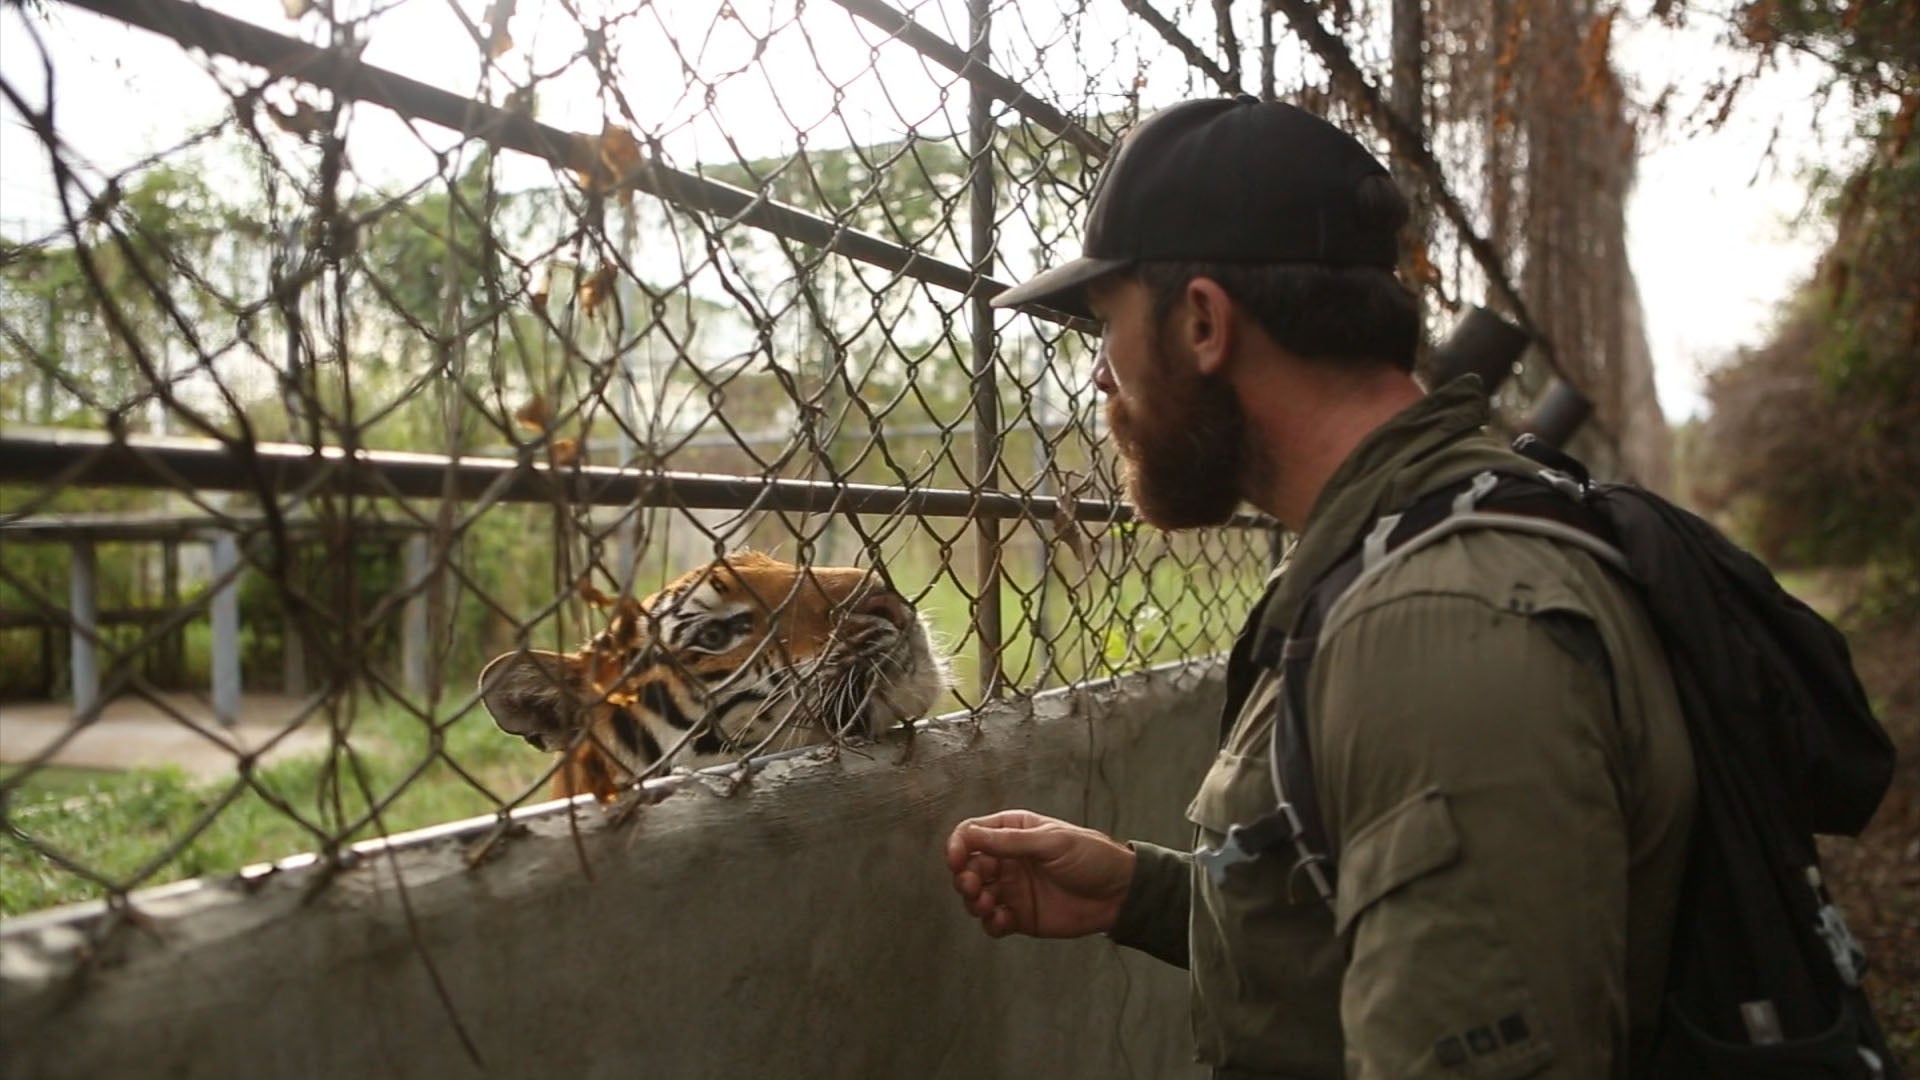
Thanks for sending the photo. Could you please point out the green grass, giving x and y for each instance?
(61, 781)
(1156, 611)
(123, 828)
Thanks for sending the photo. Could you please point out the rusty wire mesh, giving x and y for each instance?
(389, 357)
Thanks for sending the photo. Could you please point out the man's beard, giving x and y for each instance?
(1185, 449)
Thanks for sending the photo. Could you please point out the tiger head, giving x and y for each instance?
(745, 656)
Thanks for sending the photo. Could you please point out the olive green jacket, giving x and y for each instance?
(1505, 778)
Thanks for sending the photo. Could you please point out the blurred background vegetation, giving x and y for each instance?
(1810, 451)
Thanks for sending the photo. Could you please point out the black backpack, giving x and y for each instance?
(1764, 978)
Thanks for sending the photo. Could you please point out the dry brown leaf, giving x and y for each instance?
(1757, 21)
(567, 451)
(296, 8)
(535, 414)
(303, 120)
(598, 289)
(607, 159)
(499, 41)
(537, 299)
(1067, 526)
(1420, 267)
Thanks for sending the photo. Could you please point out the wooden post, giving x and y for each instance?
(84, 611)
(416, 640)
(226, 629)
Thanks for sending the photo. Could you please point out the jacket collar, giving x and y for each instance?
(1432, 442)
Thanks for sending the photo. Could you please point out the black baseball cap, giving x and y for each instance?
(1234, 180)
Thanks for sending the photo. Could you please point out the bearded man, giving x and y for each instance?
(1501, 764)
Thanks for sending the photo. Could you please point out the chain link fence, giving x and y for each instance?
(360, 345)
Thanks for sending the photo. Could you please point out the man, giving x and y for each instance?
(1501, 764)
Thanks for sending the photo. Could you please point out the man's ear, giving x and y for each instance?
(1208, 324)
(535, 695)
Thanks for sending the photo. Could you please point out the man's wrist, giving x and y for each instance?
(1153, 915)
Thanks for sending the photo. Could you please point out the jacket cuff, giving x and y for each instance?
(1154, 916)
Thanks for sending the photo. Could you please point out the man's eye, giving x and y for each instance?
(712, 636)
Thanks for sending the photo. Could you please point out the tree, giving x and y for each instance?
(1814, 442)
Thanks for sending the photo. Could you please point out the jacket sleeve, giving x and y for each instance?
(1154, 916)
(1468, 762)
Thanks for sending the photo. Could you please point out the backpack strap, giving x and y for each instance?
(1550, 503)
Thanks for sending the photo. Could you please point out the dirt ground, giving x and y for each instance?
(1877, 877)
(135, 733)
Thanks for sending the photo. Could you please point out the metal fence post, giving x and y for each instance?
(986, 394)
(84, 600)
(226, 629)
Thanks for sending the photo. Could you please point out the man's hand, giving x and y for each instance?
(1020, 873)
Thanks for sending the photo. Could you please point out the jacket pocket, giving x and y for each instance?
(1235, 791)
(1238, 788)
(1433, 986)
(1407, 842)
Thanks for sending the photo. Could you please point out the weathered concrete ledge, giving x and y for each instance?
(803, 926)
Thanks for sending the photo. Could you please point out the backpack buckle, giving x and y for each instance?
(1558, 468)
(1564, 484)
(1849, 959)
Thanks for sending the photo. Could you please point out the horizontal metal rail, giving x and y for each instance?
(95, 459)
(1186, 46)
(904, 29)
(344, 74)
(116, 528)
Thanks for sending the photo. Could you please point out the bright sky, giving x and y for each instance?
(1709, 224)
(1713, 226)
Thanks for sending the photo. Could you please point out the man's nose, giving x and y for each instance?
(1103, 372)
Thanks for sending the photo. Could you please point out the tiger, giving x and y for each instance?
(747, 655)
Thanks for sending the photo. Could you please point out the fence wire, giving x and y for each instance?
(390, 362)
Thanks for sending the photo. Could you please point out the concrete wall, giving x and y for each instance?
(804, 927)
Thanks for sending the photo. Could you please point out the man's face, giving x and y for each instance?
(1182, 434)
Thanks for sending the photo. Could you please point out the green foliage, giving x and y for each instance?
(139, 271)
(1814, 442)
(1870, 46)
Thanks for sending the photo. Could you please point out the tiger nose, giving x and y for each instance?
(887, 604)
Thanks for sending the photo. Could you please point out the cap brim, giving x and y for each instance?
(1063, 288)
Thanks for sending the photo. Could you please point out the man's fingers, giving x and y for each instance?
(1015, 843)
(958, 847)
(999, 922)
(967, 883)
(1009, 819)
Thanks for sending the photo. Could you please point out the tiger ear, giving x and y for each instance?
(535, 695)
